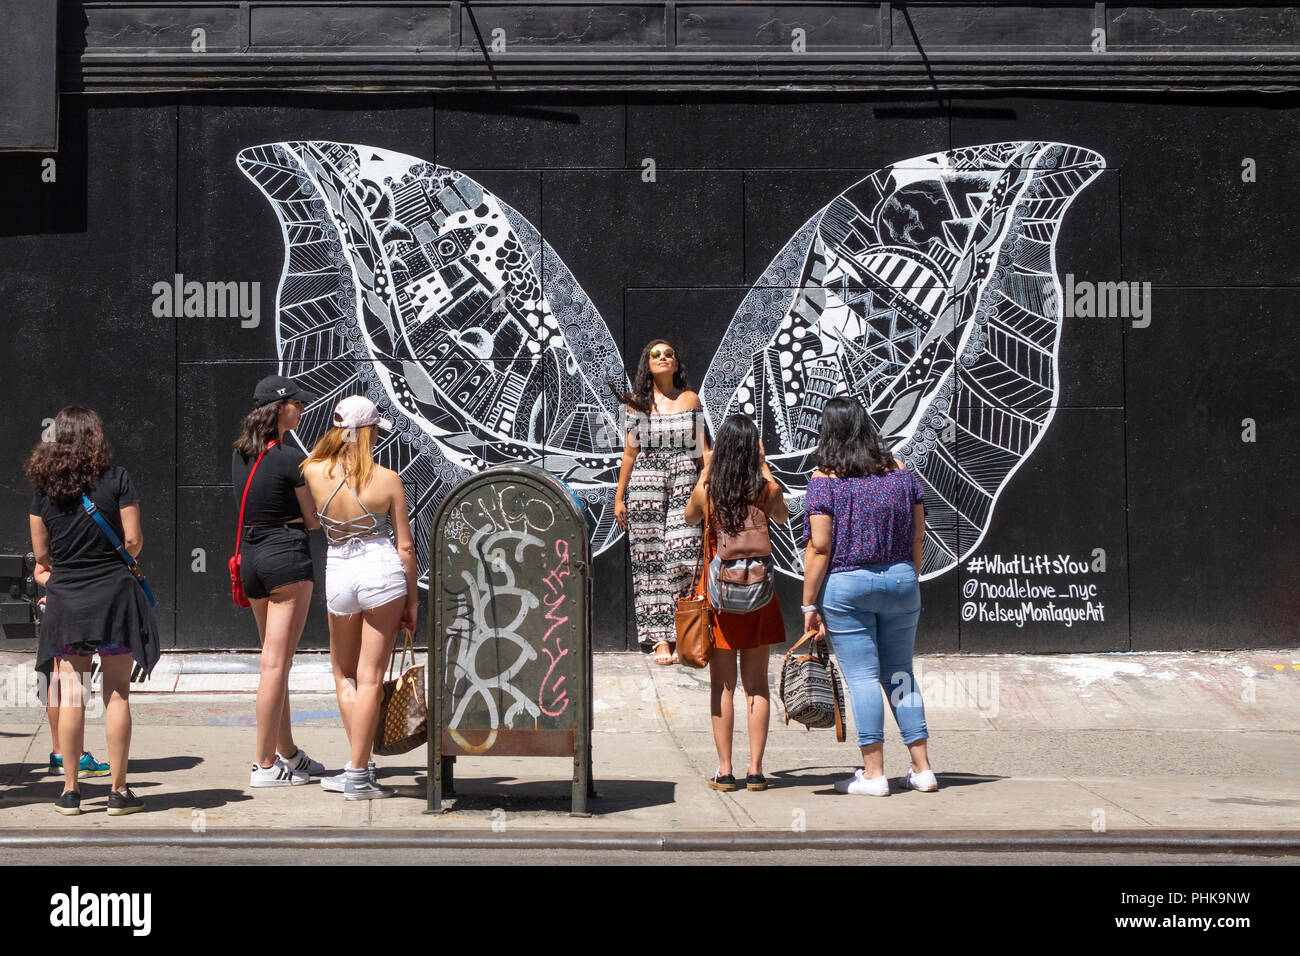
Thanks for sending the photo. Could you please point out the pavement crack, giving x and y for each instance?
(729, 805)
(1105, 799)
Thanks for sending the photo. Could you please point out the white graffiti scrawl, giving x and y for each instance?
(498, 625)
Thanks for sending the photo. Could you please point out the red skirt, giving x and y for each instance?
(738, 632)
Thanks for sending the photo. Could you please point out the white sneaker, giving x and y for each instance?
(923, 781)
(303, 763)
(863, 786)
(279, 774)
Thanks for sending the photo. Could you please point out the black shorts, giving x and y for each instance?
(270, 558)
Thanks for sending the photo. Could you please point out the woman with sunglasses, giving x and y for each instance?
(276, 567)
(661, 461)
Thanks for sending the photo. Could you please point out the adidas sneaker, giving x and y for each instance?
(279, 774)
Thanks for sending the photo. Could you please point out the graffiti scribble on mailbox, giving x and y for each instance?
(500, 626)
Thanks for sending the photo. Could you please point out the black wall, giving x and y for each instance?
(1145, 457)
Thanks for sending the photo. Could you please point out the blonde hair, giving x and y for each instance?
(349, 447)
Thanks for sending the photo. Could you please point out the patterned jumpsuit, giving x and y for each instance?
(663, 546)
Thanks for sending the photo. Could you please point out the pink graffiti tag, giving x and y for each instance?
(560, 699)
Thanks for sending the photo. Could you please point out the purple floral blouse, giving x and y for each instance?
(871, 517)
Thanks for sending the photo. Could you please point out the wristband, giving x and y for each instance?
(808, 608)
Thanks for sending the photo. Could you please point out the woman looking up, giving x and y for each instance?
(661, 459)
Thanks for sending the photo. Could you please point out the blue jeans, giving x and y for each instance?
(871, 617)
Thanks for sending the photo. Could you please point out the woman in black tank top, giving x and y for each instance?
(276, 567)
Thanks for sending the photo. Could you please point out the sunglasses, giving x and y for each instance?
(661, 353)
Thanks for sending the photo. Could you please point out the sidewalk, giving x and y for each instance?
(1100, 748)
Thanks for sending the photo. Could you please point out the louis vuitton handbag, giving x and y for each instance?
(404, 712)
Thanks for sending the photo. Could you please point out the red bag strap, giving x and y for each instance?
(239, 535)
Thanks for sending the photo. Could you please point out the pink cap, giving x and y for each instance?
(357, 411)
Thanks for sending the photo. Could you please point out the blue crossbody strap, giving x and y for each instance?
(132, 566)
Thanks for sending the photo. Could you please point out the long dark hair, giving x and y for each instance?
(643, 383)
(72, 463)
(735, 476)
(849, 444)
(258, 428)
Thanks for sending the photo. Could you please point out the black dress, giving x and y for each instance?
(91, 596)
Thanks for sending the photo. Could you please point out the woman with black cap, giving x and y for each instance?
(276, 569)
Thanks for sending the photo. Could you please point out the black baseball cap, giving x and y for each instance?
(275, 387)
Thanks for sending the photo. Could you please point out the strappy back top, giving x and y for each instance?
(365, 525)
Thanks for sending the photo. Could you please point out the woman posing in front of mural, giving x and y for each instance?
(738, 494)
(371, 586)
(276, 567)
(865, 522)
(93, 604)
(665, 440)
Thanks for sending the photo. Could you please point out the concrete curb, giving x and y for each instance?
(1265, 842)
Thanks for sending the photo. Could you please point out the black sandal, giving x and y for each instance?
(725, 782)
(755, 781)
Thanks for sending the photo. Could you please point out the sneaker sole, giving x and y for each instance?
(367, 796)
(93, 773)
(123, 811)
(724, 787)
(68, 811)
(279, 783)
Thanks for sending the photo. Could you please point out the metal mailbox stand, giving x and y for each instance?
(510, 543)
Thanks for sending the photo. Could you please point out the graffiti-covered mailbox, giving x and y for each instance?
(509, 618)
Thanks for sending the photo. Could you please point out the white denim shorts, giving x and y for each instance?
(363, 575)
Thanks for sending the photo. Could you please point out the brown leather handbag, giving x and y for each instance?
(694, 617)
(403, 713)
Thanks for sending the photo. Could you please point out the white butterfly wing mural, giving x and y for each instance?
(929, 277)
(410, 283)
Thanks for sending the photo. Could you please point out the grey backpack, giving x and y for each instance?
(742, 572)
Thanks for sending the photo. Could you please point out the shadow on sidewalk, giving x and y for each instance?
(542, 796)
(813, 776)
(40, 787)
